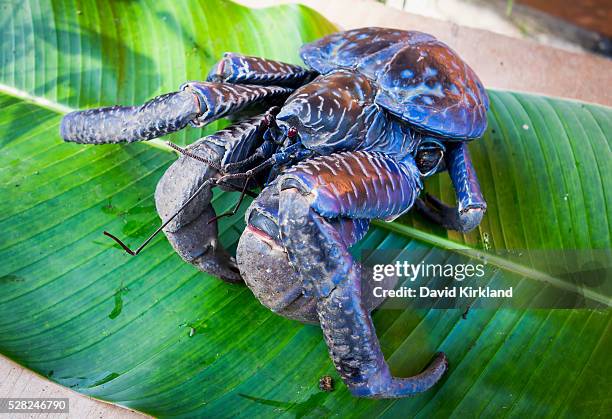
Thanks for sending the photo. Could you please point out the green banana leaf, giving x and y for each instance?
(154, 334)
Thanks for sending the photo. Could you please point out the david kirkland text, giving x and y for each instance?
(426, 292)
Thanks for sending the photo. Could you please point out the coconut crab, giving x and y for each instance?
(373, 113)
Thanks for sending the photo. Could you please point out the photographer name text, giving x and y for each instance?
(426, 292)
(457, 272)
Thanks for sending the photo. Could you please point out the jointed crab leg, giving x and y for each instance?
(222, 99)
(114, 124)
(464, 178)
(357, 185)
(236, 68)
(198, 103)
(471, 205)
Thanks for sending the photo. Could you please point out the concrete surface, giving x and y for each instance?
(16, 381)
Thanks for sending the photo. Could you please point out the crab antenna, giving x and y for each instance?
(246, 162)
(212, 164)
(160, 228)
(232, 212)
(248, 174)
(187, 153)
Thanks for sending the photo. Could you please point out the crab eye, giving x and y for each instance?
(292, 133)
(428, 157)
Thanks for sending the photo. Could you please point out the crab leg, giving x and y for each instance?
(236, 68)
(198, 103)
(356, 185)
(471, 205)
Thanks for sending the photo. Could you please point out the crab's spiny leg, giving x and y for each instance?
(159, 116)
(236, 68)
(471, 205)
(198, 103)
(463, 176)
(357, 185)
(222, 99)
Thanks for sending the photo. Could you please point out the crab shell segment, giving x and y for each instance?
(420, 79)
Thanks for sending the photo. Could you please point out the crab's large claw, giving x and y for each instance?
(190, 233)
(471, 205)
(266, 270)
(198, 103)
(193, 231)
(357, 185)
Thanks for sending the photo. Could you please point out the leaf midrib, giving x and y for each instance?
(404, 230)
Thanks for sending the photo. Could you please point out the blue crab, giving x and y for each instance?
(345, 140)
